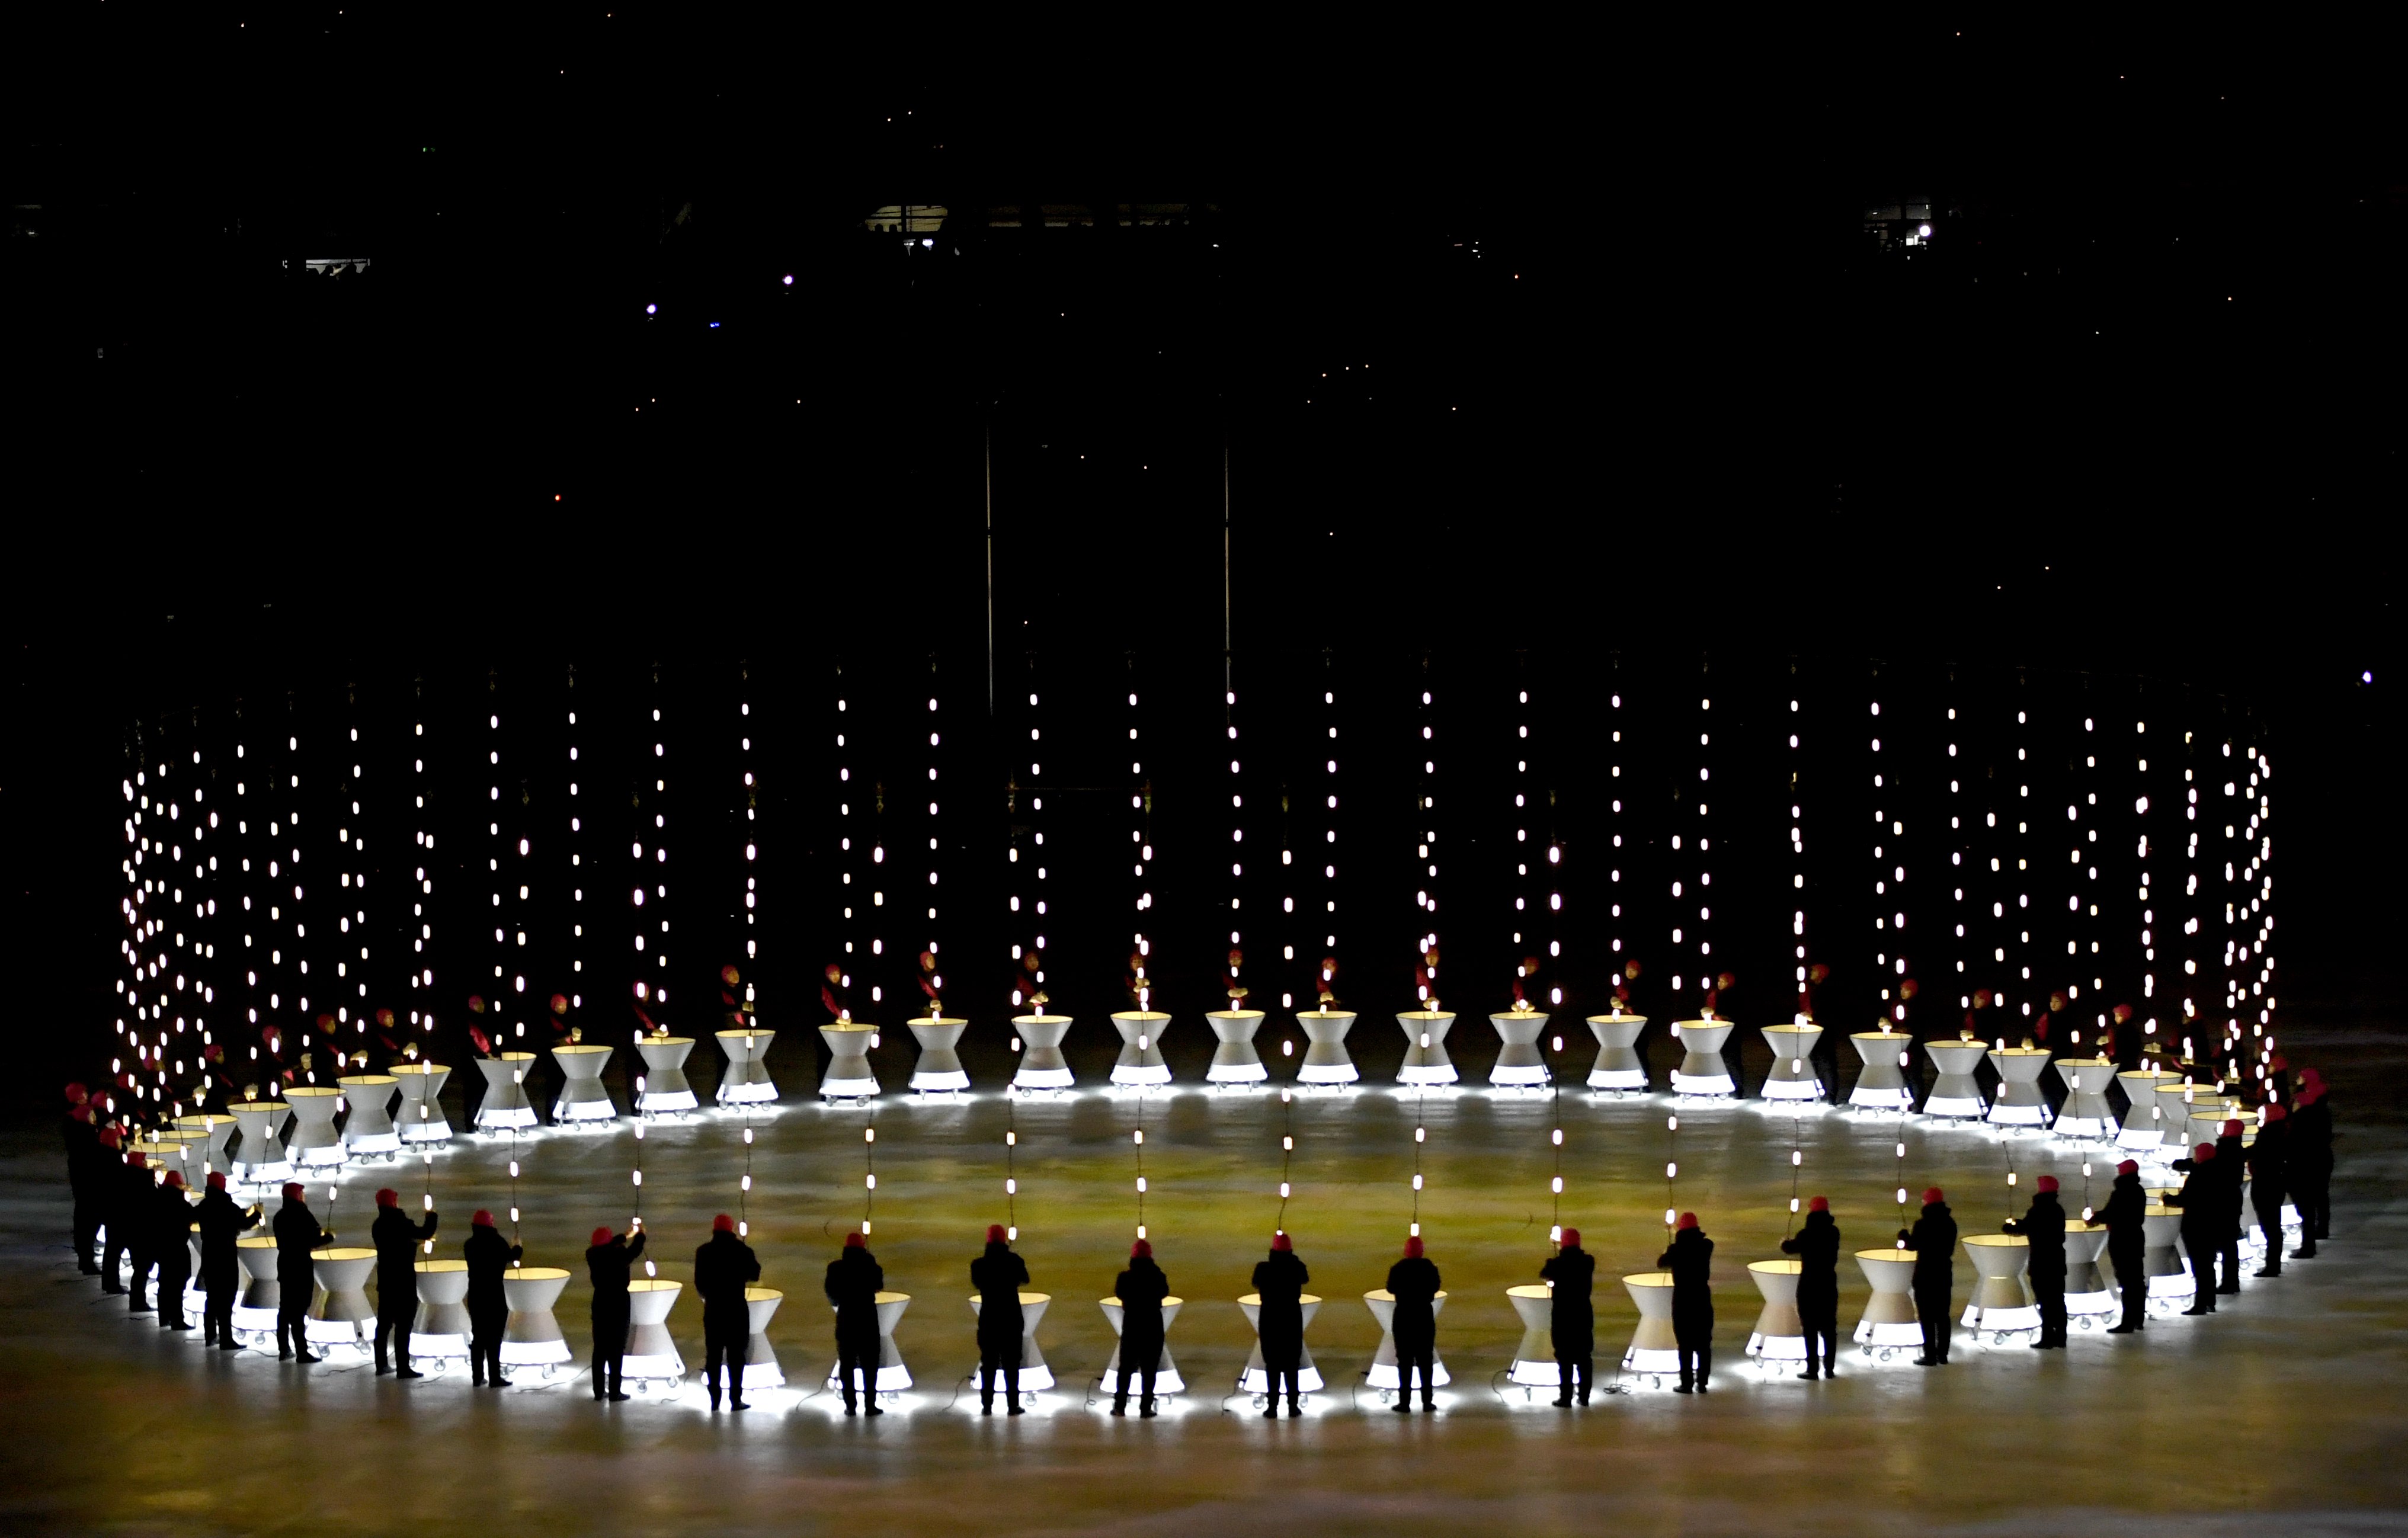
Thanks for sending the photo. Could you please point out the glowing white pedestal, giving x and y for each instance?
(939, 1069)
(1165, 1378)
(1325, 1060)
(505, 1104)
(216, 1131)
(1956, 1094)
(1034, 1374)
(196, 1298)
(1256, 1378)
(1041, 1063)
(2140, 1125)
(1235, 1060)
(667, 1088)
(314, 1144)
(1384, 1376)
(2208, 1126)
(744, 1078)
(440, 1330)
(892, 1373)
(1618, 1063)
(1534, 1359)
(1780, 1334)
(532, 1336)
(1881, 1084)
(651, 1355)
(2163, 1261)
(367, 1122)
(187, 1153)
(1793, 1063)
(1890, 1324)
(581, 1095)
(761, 1367)
(2175, 1102)
(254, 1311)
(1518, 1061)
(1702, 1070)
(263, 1157)
(2089, 1300)
(1655, 1353)
(342, 1315)
(2085, 1113)
(422, 1086)
(1425, 1059)
(1140, 1060)
(849, 1076)
(2020, 1102)
(2001, 1305)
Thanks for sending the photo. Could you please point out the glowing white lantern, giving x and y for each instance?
(2020, 1102)
(505, 1104)
(1326, 1060)
(367, 1122)
(1517, 1053)
(421, 1090)
(745, 1078)
(849, 1076)
(1655, 1353)
(583, 1097)
(2002, 1305)
(314, 1144)
(666, 1090)
(1425, 1059)
(1702, 1070)
(1041, 1063)
(1881, 1084)
(1618, 1065)
(532, 1336)
(939, 1069)
(1235, 1059)
(1793, 1063)
(1956, 1093)
(1140, 1060)
(1779, 1338)
(341, 1316)
(1890, 1324)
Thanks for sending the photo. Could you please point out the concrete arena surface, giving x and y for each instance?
(2287, 1406)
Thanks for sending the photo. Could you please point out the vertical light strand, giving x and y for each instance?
(577, 846)
(1421, 1136)
(2141, 807)
(1705, 849)
(752, 817)
(847, 858)
(2232, 891)
(2083, 868)
(868, 1164)
(1889, 886)
(1237, 810)
(2023, 865)
(493, 847)
(1011, 1169)
(422, 976)
(353, 882)
(1616, 874)
(660, 804)
(1805, 1012)
(2193, 925)
(1426, 897)
(930, 982)
(2261, 898)
(1329, 823)
(1956, 847)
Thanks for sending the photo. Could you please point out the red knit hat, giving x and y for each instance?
(217, 1181)
(1279, 1241)
(480, 1218)
(722, 1224)
(2232, 1129)
(110, 1137)
(135, 1158)
(1819, 1204)
(2046, 1184)
(1140, 1251)
(1571, 1239)
(855, 1241)
(1688, 1220)
(2128, 1167)
(1932, 1197)
(78, 1094)
(388, 1197)
(994, 1233)
(292, 1191)
(2271, 1115)
(2204, 1152)
(602, 1236)
(2279, 1064)
(2309, 1075)
(175, 1179)
(1414, 1247)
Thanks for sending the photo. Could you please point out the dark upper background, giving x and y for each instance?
(1507, 335)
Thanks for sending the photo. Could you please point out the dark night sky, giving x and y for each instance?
(1615, 334)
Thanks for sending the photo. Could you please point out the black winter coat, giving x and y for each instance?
(2044, 1225)
(855, 1279)
(1142, 1290)
(1817, 1248)
(1570, 1313)
(2270, 1167)
(2127, 1205)
(998, 1275)
(608, 1268)
(1691, 1261)
(397, 1240)
(1280, 1281)
(1415, 1284)
(222, 1223)
(1934, 1243)
(171, 1231)
(723, 1267)
(2201, 1200)
(489, 1257)
(296, 1233)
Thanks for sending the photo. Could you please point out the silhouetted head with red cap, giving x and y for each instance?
(1279, 1241)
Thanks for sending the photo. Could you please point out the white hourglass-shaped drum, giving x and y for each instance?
(761, 1369)
(849, 1076)
(260, 1156)
(341, 1316)
(666, 1089)
(2088, 1300)
(2020, 1102)
(2002, 1305)
(1140, 1060)
(1793, 1063)
(1256, 1378)
(1534, 1359)
(505, 1104)
(1956, 1093)
(1702, 1070)
(1235, 1059)
(894, 1377)
(217, 1130)
(939, 1069)
(314, 1143)
(421, 1118)
(254, 1309)
(1034, 1374)
(1041, 1063)
(1425, 1059)
(1518, 1061)
(583, 1097)
(1325, 1060)
(368, 1118)
(1882, 1083)
(2170, 1287)
(2176, 1103)
(1382, 1304)
(1618, 1063)
(1780, 1333)
(1167, 1379)
(1890, 1324)
(2085, 1113)
(532, 1337)
(653, 1354)
(441, 1329)
(1655, 1351)
(744, 1078)
(2140, 1126)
